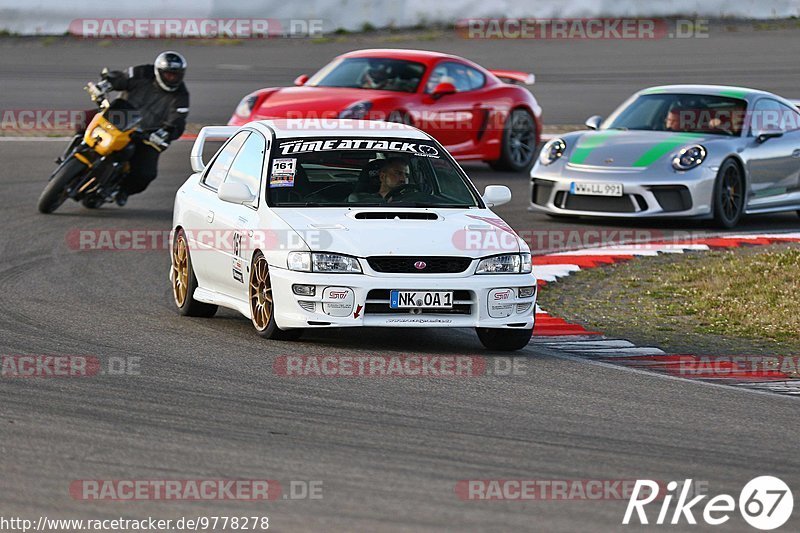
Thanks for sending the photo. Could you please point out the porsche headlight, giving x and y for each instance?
(552, 151)
(358, 110)
(506, 264)
(689, 157)
(245, 107)
(323, 262)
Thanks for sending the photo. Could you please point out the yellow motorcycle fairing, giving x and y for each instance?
(105, 138)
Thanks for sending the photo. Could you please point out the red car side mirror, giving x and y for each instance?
(443, 89)
(301, 80)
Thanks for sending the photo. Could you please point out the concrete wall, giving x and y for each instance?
(54, 16)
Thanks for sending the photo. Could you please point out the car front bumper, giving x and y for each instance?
(349, 300)
(644, 195)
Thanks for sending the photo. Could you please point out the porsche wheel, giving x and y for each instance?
(184, 281)
(262, 303)
(504, 340)
(519, 143)
(729, 194)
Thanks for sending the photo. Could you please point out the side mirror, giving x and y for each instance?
(593, 122)
(443, 89)
(764, 136)
(301, 80)
(495, 195)
(235, 193)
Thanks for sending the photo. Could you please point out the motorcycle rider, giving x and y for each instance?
(158, 92)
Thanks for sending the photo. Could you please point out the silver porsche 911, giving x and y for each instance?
(699, 151)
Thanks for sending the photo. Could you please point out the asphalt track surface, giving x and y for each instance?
(207, 404)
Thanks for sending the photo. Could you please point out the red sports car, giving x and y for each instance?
(477, 114)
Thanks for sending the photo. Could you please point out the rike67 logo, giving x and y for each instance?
(765, 503)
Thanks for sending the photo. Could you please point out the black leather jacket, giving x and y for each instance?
(159, 108)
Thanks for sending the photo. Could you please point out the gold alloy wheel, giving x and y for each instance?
(260, 294)
(180, 270)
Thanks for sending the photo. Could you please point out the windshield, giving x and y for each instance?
(366, 172)
(691, 113)
(370, 73)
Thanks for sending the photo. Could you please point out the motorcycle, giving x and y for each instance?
(96, 161)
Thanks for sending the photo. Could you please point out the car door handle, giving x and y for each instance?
(210, 216)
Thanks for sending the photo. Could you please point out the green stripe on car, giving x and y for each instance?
(734, 93)
(659, 150)
(588, 143)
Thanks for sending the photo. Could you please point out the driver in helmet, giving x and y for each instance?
(158, 92)
(376, 77)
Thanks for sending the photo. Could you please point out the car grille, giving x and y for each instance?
(542, 189)
(405, 264)
(378, 304)
(672, 198)
(627, 203)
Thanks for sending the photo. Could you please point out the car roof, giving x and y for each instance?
(422, 56)
(340, 127)
(718, 90)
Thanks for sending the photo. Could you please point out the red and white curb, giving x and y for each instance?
(575, 341)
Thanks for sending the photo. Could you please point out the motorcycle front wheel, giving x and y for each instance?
(55, 193)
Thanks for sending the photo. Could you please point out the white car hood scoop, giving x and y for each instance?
(380, 232)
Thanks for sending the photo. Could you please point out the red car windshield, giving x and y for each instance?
(370, 73)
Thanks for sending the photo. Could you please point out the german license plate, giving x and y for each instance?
(420, 299)
(596, 189)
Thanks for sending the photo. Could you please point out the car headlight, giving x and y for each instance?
(689, 157)
(506, 264)
(552, 151)
(357, 111)
(245, 107)
(323, 262)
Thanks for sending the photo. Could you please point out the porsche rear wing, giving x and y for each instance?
(208, 133)
(515, 76)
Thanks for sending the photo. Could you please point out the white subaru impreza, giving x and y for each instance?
(299, 225)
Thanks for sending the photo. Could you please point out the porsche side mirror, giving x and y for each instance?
(301, 80)
(235, 193)
(443, 89)
(593, 122)
(495, 195)
(764, 136)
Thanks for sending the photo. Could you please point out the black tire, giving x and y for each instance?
(54, 193)
(184, 281)
(518, 149)
(262, 305)
(729, 195)
(504, 339)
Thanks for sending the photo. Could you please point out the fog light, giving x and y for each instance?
(304, 290)
(526, 292)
